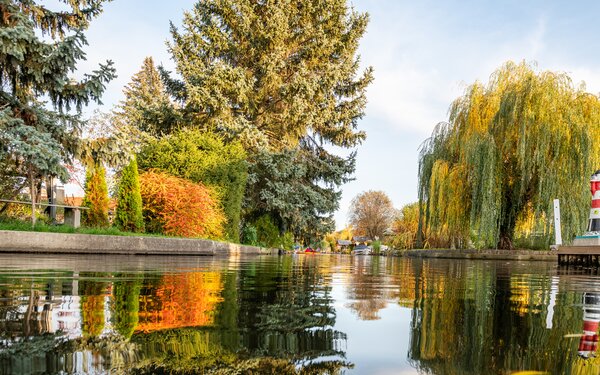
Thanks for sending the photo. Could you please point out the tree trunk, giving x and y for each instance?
(33, 195)
(505, 242)
(420, 237)
(507, 231)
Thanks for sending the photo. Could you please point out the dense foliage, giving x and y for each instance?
(268, 234)
(262, 93)
(204, 157)
(280, 185)
(405, 227)
(179, 207)
(96, 197)
(283, 78)
(510, 147)
(371, 214)
(39, 51)
(129, 200)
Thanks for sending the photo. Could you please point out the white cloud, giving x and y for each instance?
(419, 70)
(410, 98)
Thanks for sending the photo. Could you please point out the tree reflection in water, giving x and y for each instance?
(475, 320)
(270, 318)
(278, 315)
(367, 287)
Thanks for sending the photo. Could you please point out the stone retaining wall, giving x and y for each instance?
(66, 243)
(485, 254)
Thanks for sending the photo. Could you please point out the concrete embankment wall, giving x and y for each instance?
(551, 256)
(65, 243)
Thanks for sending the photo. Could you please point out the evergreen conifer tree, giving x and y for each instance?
(96, 197)
(147, 106)
(39, 50)
(129, 200)
(284, 78)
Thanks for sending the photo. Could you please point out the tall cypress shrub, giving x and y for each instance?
(96, 197)
(129, 200)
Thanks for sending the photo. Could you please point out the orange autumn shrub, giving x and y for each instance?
(178, 207)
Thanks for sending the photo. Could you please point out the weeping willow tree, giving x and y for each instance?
(508, 149)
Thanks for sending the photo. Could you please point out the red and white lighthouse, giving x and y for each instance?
(594, 224)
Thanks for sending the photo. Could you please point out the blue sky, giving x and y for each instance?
(424, 54)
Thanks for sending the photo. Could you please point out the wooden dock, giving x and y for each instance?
(584, 256)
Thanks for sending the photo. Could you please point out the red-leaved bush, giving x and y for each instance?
(178, 207)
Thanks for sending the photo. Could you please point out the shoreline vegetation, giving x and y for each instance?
(235, 148)
(229, 148)
(146, 244)
(23, 226)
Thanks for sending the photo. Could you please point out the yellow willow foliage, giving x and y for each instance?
(405, 227)
(528, 223)
(510, 146)
(449, 193)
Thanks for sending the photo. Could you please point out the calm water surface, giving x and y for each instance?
(309, 314)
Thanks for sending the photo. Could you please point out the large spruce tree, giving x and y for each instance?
(147, 105)
(284, 78)
(509, 149)
(39, 50)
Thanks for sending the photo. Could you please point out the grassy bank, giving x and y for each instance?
(43, 227)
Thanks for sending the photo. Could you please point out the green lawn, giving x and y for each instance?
(11, 224)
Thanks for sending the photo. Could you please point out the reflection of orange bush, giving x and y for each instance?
(179, 207)
(181, 300)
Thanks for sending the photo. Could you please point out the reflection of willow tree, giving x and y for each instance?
(364, 288)
(92, 291)
(126, 296)
(478, 320)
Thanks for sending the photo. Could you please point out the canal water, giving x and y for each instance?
(301, 314)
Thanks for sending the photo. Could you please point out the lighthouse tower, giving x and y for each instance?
(594, 223)
(585, 250)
